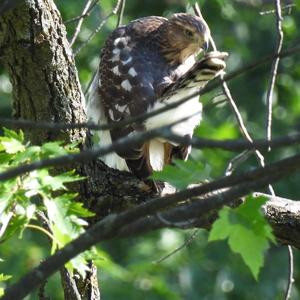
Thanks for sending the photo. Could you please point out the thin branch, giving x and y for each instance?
(233, 105)
(84, 156)
(185, 244)
(288, 291)
(233, 145)
(78, 27)
(124, 143)
(274, 69)
(236, 161)
(269, 113)
(137, 220)
(121, 13)
(102, 23)
(70, 288)
(91, 154)
(212, 85)
(84, 14)
(273, 11)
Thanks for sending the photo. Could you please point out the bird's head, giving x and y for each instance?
(185, 35)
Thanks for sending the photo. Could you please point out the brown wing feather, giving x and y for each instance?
(131, 73)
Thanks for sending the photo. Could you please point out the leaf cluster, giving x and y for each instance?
(41, 195)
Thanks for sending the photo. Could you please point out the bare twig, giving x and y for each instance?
(288, 291)
(233, 105)
(233, 145)
(102, 23)
(269, 114)
(274, 69)
(186, 243)
(273, 11)
(236, 161)
(78, 27)
(121, 13)
(91, 154)
(84, 14)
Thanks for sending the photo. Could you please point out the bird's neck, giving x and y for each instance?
(173, 50)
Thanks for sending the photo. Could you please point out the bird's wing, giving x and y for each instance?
(204, 70)
(188, 84)
(129, 70)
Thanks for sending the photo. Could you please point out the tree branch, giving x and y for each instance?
(143, 218)
(274, 69)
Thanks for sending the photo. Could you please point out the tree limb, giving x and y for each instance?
(199, 212)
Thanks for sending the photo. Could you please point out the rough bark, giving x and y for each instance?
(35, 51)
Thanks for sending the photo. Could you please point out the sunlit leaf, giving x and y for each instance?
(182, 173)
(247, 231)
(79, 210)
(19, 136)
(11, 146)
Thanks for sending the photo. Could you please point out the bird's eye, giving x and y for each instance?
(188, 33)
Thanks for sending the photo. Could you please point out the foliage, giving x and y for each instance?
(3, 278)
(26, 199)
(183, 173)
(247, 231)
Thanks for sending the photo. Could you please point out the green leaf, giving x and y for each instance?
(16, 227)
(221, 228)
(78, 263)
(182, 173)
(7, 193)
(4, 277)
(247, 231)
(12, 141)
(4, 159)
(14, 134)
(55, 183)
(77, 209)
(70, 176)
(53, 149)
(66, 226)
(29, 154)
(11, 146)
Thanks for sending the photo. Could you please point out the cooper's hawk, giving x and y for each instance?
(144, 66)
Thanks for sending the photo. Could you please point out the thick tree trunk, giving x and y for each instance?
(40, 63)
(37, 55)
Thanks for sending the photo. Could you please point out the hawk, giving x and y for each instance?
(146, 65)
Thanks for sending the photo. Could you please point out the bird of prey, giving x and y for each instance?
(146, 65)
